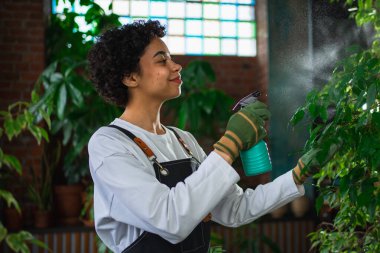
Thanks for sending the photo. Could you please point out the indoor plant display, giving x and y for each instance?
(15, 120)
(349, 183)
(73, 104)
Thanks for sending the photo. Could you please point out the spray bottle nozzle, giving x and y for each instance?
(251, 98)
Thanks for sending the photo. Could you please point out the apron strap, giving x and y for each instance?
(184, 145)
(148, 152)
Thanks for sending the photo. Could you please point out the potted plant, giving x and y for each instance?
(17, 119)
(40, 190)
(349, 183)
(73, 105)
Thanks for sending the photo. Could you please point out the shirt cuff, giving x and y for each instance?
(226, 168)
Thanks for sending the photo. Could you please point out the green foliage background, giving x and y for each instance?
(350, 182)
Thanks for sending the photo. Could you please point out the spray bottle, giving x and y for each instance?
(256, 160)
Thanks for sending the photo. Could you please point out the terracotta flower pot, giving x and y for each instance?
(279, 212)
(300, 206)
(68, 203)
(42, 219)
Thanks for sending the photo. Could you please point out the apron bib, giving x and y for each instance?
(170, 173)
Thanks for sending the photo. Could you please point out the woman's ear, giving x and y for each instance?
(130, 80)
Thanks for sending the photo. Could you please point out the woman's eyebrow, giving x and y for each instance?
(165, 54)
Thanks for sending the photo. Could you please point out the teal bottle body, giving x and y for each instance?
(256, 160)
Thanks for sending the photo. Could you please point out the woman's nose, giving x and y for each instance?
(176, 67)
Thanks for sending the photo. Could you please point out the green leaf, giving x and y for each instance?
(36, 132)
(75, 94)
(319, 203)
(13, 163)
(54, 79)
(67, 132)
(9, 198)
(17, 242)
(3, 232)
(344, 184)
(61, 101)
(371, 95)
(298, 116)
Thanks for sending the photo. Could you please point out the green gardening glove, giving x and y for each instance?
(310, 163)
(244, 129)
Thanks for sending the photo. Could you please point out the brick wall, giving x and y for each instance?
(22, 59)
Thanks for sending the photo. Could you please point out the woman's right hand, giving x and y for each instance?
(244, 129)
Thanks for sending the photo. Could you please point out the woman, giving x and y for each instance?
(155, 188)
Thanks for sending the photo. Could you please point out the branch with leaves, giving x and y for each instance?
(16, 119)
(349, 183)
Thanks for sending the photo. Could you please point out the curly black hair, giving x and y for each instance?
(116, 54)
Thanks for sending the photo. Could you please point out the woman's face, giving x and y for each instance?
(159, 76)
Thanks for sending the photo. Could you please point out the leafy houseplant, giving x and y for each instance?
(40, 190)
(17, 119)
(350, 182)
(65, 89)
(72, 103)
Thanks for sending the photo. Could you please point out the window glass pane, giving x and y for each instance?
(245, 12)
(193, 10)
(228, 29)
(211, 28)
(228, 11)
(245, 30)
(139, 8)
(79, 8)
(176, 9)
(194, 27)
(229, 46)
(83, 26)
(211, 11)
(211, 46)
(246, 2)
(121, 7)
(158, 9)
(176, 45)
(194, 46)
(246, 47)
(176, 27)
(59, 8)
(125, 20)
(104, 4)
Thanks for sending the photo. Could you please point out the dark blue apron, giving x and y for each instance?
(170, 173)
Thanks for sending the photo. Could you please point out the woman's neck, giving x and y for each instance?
(146, 117)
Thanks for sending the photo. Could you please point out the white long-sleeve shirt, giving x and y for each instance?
(128, 199)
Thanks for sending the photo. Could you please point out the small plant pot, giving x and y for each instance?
(68, 204)
(279, 212)
(42, 219)
(300, 206)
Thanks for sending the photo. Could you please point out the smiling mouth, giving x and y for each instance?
(176, 80)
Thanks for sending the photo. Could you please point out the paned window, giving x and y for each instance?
(194, 27)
